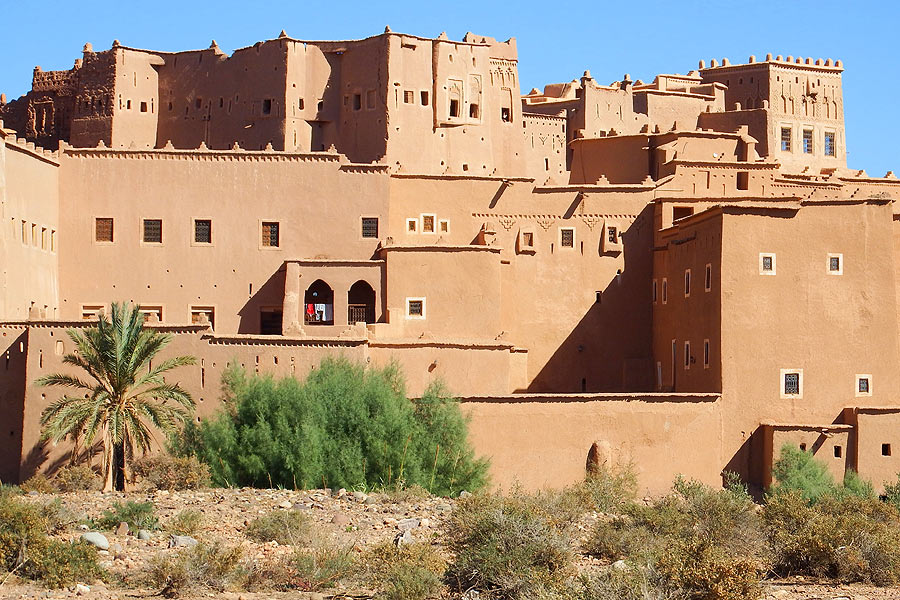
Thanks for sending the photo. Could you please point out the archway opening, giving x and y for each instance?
(319, 304)
(361, 303)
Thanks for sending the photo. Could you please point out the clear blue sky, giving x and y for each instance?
(557, 40)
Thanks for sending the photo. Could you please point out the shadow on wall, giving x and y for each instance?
(262, 312)
(610, 348)
(12, 403)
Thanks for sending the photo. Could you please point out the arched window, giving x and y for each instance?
(361, 303)
(319, 304)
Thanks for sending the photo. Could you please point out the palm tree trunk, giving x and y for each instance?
(108, 461)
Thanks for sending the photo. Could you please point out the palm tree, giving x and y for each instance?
(124, 395)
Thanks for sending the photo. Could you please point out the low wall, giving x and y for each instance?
(543, 440)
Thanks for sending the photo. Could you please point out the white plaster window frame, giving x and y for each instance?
(196, 308)
(815, 142)
(150, 307)
(707, 278)
(799, 394)
(840, 257)
(687, 355)
(212, 237)
(97, 242)
(377, 225)
(559, 236)
(687, 283)
(441, 223)
(856, 380)
(771, 271)
(665, 290)
(415, 223)
(654, 293)
(706, 356)
(94, 307)
(434, 223)
(259, 234)
(424, 308)
(162, 235)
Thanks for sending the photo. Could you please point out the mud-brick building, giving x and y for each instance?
(684, 273)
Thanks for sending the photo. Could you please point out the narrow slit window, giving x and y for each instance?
(687, 283)
(830, 149)
(665, 290)
(266, 106)
(705, 354)
(707, 282)
(454, 108)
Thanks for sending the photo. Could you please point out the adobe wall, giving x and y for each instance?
(877, 458)
(543, 441)
(832, 445)
(30, 234)
(13, 378)
(238, 191)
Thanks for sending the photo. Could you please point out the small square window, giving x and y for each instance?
(300, 104)
(838, 451)
(103, 229)
(408, 97)
(415, 308)
(370, 227)
(567, 237)
(785, 139)
(202, 231)
(863, 385)
(152, 231)
(766, 264)
(444, 226)
(412, 225)
(427, 223)
(885, 449)
(792, 384)
(270, 234)
(835, 264)
(143, 107)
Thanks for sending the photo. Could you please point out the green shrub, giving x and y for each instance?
(76, 478)
(410, 572)
(843, 537)
(138, 515)
(322, 566)
(637, 582)
(513, 546)
(892, 493)
(26, 548)
(345, 426)
(38, 483)
(798, 470)
(202, 566)
(609, 489)
(855, 485)
(165, 472)
(399, 492)
(186, 522)
(288, 527)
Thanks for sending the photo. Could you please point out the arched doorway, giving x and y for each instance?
(319, 304)
(361, 303)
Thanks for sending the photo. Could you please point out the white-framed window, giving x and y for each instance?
(369, 227)
(566, 237)
(202, 234)
(790, 383)
(766, 263)
(415, 308)
(808, 144)
(665, 290)
(687, 356)
(707, 279)
(706, 354)
(655, 286)
(687, 283)
(152, 231)
(270, 234)
(786, 138)
(863, 385)
(429, 223)
(412, 225)
(835, 264)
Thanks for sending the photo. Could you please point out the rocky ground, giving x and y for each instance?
(347, 518)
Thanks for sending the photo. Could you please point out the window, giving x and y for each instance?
(428, 223)
(743, 180)
(612, 235)
(598, 297)
(830, 149)
(454, 108)
(687, 355)
(423, 97)
(128, 104)
(707, 281)
(791, 383)
(199, 103)
(835, 264)
(526, 240)
(143, 107)
(766, 263)
(202, 231)
(785, 139)
(270, 320)
(43, 238)
(52, 240)
(300, 104)
(803, 446)
(103, 229)
(152, 231)
(266, 106)
(412, 225)
(654, 291)
(34, 234)
(863, 385)
(680, 212)
(885, 449)
(444, 226)
(357, 101)
(91, 311)
(152, 314)
(24, 232)
(408, 97)
(199, 313)
(270, 234)
(807, 141)
(415, 308)
(705, 354)
(370, 227)
(838, 451)
(505, 115)
(687, 283)
(567, 237)
(665, 290)
(473, 111)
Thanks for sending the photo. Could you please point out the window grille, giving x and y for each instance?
(612, 235)
(428, 224)
(103, 230)
(834, 263)
(370, 227)
(830, 149)
(807, 141)
(567, 238)
(767, 263)
(792, 384)
(203, 231)
(786, 139)
(270, 235)
(153, 231)
(416, 308)
(863, 385)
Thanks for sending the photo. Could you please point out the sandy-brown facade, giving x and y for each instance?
(683, 274)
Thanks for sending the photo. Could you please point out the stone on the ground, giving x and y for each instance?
(181, 541)
(340, 519)
(464, 494)
(406, 524)
(143, 534)
(360, 496)
(122, 529)
(81, 589)
(619, 565)
(404, 538)
(96, 539)
(286, 504)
